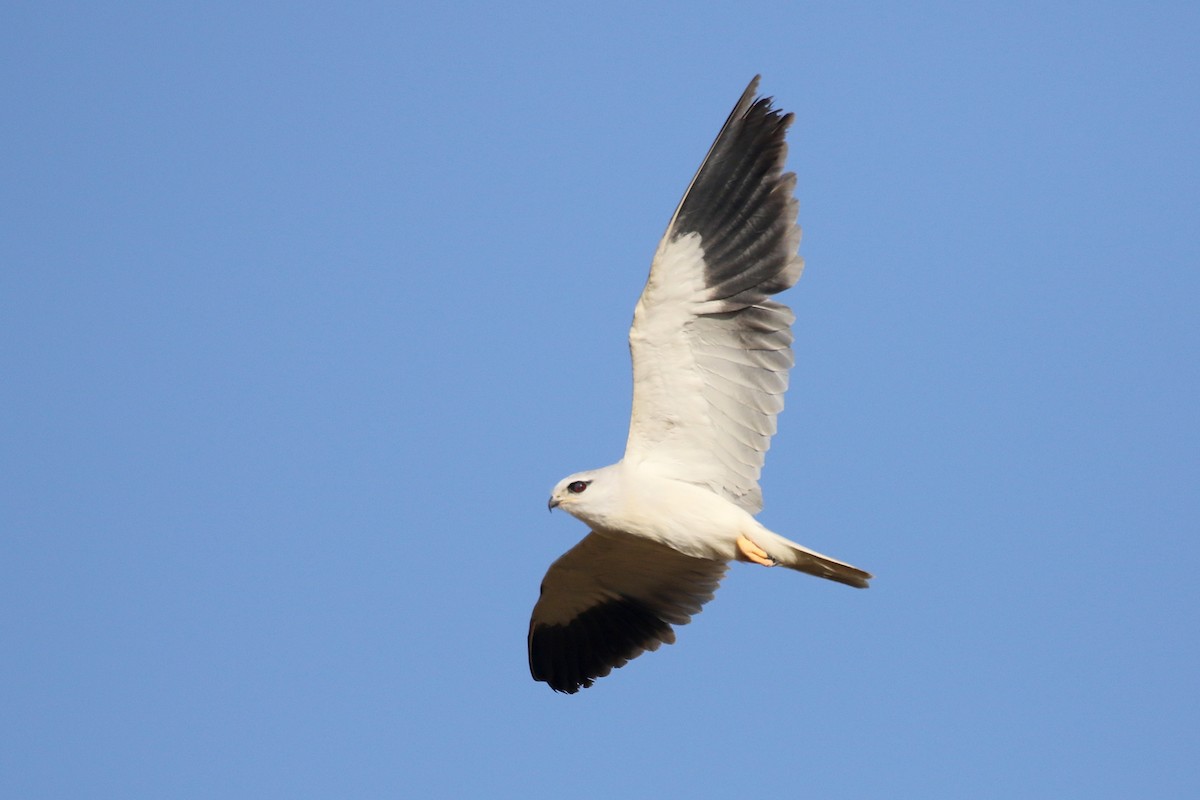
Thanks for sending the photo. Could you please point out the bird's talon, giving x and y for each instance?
(753, 552)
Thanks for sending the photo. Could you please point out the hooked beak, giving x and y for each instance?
(552, 504)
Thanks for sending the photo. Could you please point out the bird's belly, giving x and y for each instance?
(688, 518)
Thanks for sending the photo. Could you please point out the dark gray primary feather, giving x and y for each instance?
(609, 599)
(741, 204)
(570, 657)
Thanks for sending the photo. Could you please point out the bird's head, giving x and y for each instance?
(585, 495)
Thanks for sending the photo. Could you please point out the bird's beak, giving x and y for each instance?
(552, 504)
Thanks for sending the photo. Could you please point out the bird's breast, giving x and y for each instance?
(686, 517)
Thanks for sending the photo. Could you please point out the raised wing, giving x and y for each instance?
(609, 599)
(711, 351)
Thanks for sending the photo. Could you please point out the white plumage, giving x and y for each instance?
(711, 353)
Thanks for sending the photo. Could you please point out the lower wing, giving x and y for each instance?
(609, 599)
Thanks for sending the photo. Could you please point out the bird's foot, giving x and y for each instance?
(753, 552)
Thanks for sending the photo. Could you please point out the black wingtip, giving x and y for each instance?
(741, 205)
(751, 90)
(607, 636)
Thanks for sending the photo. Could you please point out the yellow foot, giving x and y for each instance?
(753, 552)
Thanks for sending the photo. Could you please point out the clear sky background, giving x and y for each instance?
(304, 310)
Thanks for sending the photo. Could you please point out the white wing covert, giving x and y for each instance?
(711, 351)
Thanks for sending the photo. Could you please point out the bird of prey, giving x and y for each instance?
(711, 353)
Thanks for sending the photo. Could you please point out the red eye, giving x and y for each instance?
(577, 486)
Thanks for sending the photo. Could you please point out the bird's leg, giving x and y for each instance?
(753, 552)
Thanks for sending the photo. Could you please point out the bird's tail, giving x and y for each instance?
(786, 553)
(802, 559)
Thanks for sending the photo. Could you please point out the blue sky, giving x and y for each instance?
(303, 312)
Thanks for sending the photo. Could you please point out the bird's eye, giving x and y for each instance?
(577, 486)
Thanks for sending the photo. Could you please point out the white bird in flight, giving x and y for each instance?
(711, 353)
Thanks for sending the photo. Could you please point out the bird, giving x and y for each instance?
(711, 352)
